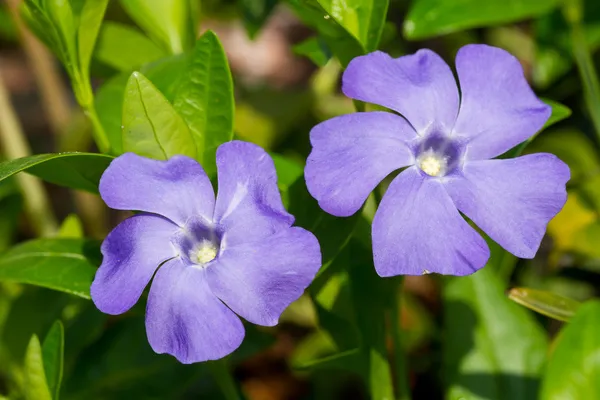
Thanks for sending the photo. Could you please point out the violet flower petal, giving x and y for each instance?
(417, 229)
(185, 319)
(176, 189)
(259, 279)
(248, 200)
(512, 200)
(419, 86)
(498, 109)
(351, 154)
(132, 252)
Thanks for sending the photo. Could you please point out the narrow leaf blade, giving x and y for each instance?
(53, 355)
(36, 387)
(546, 303)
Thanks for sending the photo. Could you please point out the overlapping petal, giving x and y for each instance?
(418, 229)
(512, 200)
(259, 279)
(176, 189)
(132, 252)
(248, 201)
(498, 109)
(419, 86)
(185, 319)
(351, 154)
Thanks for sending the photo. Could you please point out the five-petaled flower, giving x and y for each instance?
(238, 253)
(447, 141)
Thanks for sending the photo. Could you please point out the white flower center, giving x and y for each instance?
(206, 252)
(432, 163)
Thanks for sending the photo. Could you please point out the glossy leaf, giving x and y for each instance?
(341, 42)
(574, 365)
(74, 170)
(53, 354)
(363, 19)
(547, 303)
(167, 22)
(36, 387)
(109, 98)
(205, 98)
(428, 18)
(493, 349)
(90, 21)
(125, 48)
(151, 126)
(66, 265)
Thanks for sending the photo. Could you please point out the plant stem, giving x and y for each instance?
(222, 375)
(14, 145)
(401, 370)
(97, 129)
(591, 87)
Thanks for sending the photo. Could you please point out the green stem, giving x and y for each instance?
(97, 129)
(222, 375)
(591, 86)
(14, 145)
(401, 370)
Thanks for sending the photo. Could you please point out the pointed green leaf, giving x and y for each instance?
(36, 387)
(66, 265)
(363, 19)
(151, 126)
(559, 112)
(256, 13)
(90, 21)
(125, 48)
(315, 49)
(167, 22)
(71, 227)
(428, 18)
(574, 365)
(547, 303)
(493, 349)
(205, 98)
(53, 354)
(74, 170)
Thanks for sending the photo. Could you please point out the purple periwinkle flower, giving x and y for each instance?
(237, 253)
(447, 140)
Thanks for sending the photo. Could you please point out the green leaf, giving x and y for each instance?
(89, 26)
(167, 22)
(125, 48)
(547, 303)
(341, 42)
(205, 98)
(151, 126)
(74, 170)
(574, 365)
(314, 48)
(346, 360)
(428, 18)
(53, 353)
(71, 227)
(256, 13)
(36, 387)
(66, 265)
(109, 98)
(493, 349)
(363, 19)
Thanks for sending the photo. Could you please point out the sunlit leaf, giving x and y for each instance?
(125, 48)
(574, 365)
(53, 353)
(547, 303)
(427, 18)
(90, 21)
(493, 348)
(66, 265)
(36, 387)
(73, 170)
(205, 98)
(363, 19)
(151, 126)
